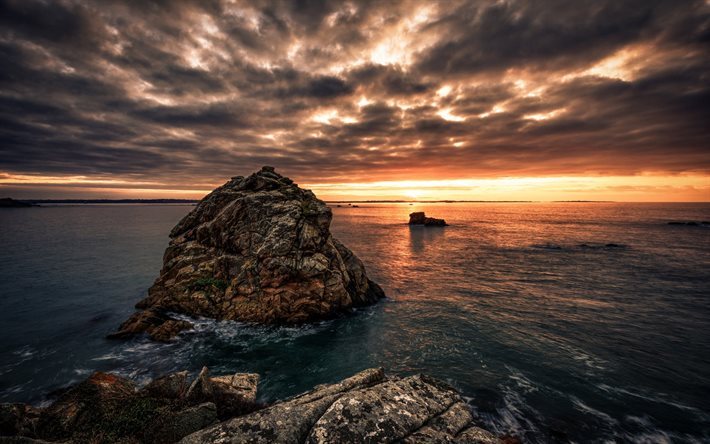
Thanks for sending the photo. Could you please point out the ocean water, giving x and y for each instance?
(586, 322)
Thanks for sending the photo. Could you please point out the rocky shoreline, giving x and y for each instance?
(368, 407)
(257, 249)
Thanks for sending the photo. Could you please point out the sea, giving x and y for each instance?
(558, 322)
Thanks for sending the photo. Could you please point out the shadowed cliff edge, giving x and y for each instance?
(257, 249)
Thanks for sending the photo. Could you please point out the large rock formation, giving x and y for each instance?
(365, 408)
(256, 249)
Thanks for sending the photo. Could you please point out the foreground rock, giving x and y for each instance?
(107, 408)
(257, 249)
(419, 218)
(366, 408)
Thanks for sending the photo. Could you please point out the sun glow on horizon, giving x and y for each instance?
(617, 188)
(647, 187)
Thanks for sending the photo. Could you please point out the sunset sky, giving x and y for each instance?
(479, 100)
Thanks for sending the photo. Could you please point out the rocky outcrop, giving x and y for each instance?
(366, 408)
(419, 218)
(257, 249)
(108, 408)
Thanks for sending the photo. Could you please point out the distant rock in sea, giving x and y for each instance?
(7, 202)
(257, 249)
(419, 218)
(691, 223)
(366, 407)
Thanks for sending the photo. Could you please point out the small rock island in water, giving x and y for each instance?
(257, 249)
(419, 218)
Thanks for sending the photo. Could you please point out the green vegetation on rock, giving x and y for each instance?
(209, 283)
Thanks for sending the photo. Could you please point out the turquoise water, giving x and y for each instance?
(552, 333)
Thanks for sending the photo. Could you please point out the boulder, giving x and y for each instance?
(419, 218)
(366, 408)
(171, 386)
(83, 406)
(257, 249)
(233, 395)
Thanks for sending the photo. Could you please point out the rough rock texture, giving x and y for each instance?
(18, 419)
(419, 218)
(366, 408)
(158, 325)
(233, 394)
(258, 249)
(108, 408)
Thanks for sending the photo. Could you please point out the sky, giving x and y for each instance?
(471, 100)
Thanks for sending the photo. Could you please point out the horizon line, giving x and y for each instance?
(189, 201)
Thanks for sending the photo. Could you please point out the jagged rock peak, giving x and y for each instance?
(257, 249)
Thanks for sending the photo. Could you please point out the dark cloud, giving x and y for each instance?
(201, 90)
(389, 80)
(327, 86)
(50, 22)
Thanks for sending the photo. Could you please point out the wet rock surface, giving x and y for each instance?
(420, 218)
(158, 325)
(257, 249)
(365, 408)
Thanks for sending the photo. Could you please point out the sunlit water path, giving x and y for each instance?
(567, 321)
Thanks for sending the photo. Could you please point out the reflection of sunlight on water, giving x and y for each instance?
(420, 237)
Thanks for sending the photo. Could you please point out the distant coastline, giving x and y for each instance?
(111, 201)
(37, 202)
(194, 201)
